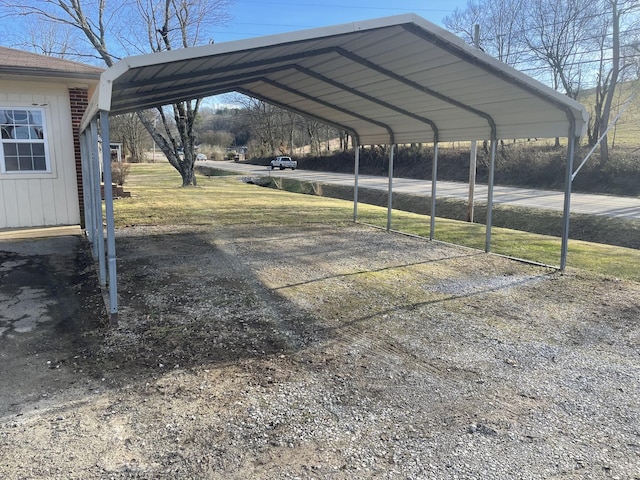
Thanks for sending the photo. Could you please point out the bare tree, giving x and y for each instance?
(260, 120)
(632, 53)
(313, 131)
(612, 65)
(46, 38)
(132, 134)
(462, 21)
(560, 36)
(499, 22)
(213, 130)
(164, 25)
(273, 130)
(344, 140)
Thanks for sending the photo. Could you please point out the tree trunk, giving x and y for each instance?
(615, 71)
(184, 117)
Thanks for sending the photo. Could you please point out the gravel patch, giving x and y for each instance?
(318, 351)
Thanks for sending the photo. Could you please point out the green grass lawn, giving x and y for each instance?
(158, 199)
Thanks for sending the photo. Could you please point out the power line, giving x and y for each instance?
(555, 23)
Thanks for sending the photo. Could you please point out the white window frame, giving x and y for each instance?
(43, 141)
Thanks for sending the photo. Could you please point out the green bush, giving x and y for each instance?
(522, 165)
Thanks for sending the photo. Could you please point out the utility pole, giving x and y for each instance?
(474, 149)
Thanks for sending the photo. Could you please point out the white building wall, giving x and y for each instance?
(42, 199)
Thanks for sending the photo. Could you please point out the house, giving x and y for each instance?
(42, 100)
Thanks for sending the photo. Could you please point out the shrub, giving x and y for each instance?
(517, 164)
(119, 172)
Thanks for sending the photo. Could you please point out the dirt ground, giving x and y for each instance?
(318, 351)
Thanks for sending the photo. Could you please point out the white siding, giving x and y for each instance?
(42, 199)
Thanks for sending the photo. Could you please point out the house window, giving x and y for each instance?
(23, 140)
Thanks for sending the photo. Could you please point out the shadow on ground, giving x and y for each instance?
(183, 303)
(187, 303)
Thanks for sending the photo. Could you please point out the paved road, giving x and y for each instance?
(624, 207)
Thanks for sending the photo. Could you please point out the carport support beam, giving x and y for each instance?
(434, 182)
(567, 201)
(356, 170)
(98, 232)
(492, 171)
(390, 189)
(108, 201)
(86, 186)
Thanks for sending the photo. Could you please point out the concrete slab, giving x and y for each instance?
(50, 303)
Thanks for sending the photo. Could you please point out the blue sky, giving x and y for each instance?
(253, 18)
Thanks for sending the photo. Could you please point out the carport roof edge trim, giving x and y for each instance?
(415, 26)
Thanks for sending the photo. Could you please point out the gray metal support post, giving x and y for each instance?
(474, 147)
(356, 170)
(567, 201)
(434, 183)
(108, 201)
(472, 180)
(492, 171)
(86, 185)
(390, 190)
(98, 233)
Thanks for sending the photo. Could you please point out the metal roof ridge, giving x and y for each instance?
(136, 61)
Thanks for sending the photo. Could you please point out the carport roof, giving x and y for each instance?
(398, 79)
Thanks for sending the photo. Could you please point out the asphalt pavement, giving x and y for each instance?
(609, 205)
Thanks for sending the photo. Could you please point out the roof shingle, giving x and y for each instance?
(18, 62)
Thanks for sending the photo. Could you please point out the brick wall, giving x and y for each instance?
(79, 99)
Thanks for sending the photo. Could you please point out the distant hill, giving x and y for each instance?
(626, 133)
(534, 164)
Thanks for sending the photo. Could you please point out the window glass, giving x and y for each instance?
(24, 150)
(23, 140)
(11, 164)
(21, 132)
(11, 149)
(19, 117)
(36, 117)
(25, 163)
(39, 163)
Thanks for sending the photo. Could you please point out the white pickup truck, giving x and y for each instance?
(284, 162)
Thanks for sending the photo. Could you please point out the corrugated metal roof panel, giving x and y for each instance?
(391, 77)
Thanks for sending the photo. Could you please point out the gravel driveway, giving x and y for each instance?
(340, 352)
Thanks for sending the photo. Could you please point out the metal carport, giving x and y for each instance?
(387, 81)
